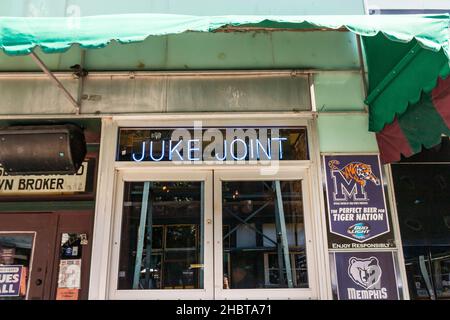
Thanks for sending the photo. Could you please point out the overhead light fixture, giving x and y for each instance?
(42, 149)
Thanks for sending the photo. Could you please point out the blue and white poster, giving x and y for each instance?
(366, 276)
(356, 206)
(10, 277)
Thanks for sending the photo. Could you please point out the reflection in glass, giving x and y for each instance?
(263, 230)
(428, 272)
(15, 263)
(161, 241)
(422, 192)
(265, 143)
(441, 271)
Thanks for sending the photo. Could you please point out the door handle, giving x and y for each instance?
(38, 282)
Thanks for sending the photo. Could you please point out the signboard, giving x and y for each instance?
(366, 276)
(199, 144)
(10, 280)
(48, 184)
(70, 274)
(67, 294)
(356, 206)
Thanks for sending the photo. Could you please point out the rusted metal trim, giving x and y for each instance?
(227, 29)
(209, 73)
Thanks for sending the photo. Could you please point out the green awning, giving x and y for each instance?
(405, 53)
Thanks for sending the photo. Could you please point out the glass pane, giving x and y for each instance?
(169, 255)
(417, 267)
(422, 191)
(15, 263)
(181, 236)
(261, 235)
(212, 144)
(441, 271)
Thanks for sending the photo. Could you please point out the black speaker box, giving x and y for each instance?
(42, 150)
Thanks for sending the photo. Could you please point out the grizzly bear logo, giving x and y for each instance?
(364, 272)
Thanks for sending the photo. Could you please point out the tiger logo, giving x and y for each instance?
(357, 171)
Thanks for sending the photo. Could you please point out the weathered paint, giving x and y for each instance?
(158, 93)
(208, 51)
(35, 96)
(339, 92)
(45, 8)
(345, 133)
(198, 51)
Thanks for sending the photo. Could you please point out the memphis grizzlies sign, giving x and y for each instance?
(365, 276)
(357, 212)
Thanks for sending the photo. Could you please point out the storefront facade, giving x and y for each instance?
(249, 178)
(47, 218)
(230, 225)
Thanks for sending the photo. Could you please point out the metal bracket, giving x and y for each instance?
(282, 242)
(141, 236)
(52, 77)
(393, 73)
(362, 69)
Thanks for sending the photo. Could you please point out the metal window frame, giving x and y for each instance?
(292, 173)
(125, 175)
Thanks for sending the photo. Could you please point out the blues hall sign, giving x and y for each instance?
(356, 202)
(212, 144)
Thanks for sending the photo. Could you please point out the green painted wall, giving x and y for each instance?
(203, 51)
(345, 133)
(251, 50)
(208, 51)
(192, 7)
(339, 92)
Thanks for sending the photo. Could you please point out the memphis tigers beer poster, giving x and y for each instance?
(366, 276)
(356, 207)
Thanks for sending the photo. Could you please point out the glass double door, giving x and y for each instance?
(212, 234)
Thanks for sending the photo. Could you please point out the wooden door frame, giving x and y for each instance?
(23, 227)
(60, 222)
(65, 227)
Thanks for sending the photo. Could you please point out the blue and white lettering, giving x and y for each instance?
(224, 152)
(174, 149)
(238, 145)
(267, 151)
(162, 151)
(142, 154)
(280, 145)
(232, 149)
(190, 149)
